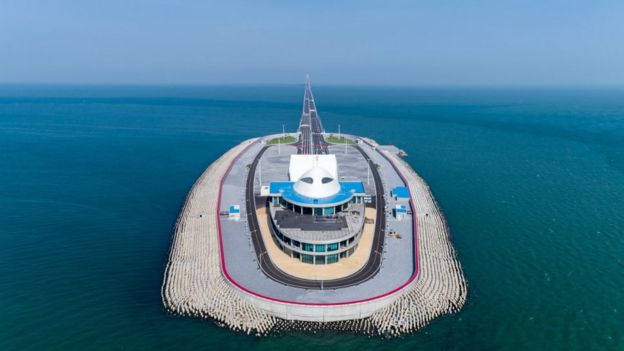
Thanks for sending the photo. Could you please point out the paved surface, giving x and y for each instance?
(311, 140)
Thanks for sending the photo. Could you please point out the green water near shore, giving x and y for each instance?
(92, 178)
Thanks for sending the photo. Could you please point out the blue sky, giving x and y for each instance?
(337, 42)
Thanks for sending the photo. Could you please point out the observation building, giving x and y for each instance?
(316, 218)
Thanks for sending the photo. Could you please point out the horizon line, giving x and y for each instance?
(346, 84)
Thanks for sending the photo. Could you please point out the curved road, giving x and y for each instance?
(368, 271)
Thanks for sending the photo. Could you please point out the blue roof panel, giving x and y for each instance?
(401, 192)
(347, 190)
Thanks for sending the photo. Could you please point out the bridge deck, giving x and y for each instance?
(311, 140)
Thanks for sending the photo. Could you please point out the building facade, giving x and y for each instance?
(317, 219)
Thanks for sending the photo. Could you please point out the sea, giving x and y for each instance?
(92, 178)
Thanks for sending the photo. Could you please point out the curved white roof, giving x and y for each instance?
(299, 164)
(317, 183)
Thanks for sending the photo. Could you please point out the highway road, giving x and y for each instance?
(311, 140)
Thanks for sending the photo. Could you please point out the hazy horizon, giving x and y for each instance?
(432, 44)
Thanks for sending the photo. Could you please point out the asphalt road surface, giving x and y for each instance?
(311, 140)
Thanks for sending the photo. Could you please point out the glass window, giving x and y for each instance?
(307, 259)
(296, 243)
(343, 243)
(307, 247)
(329, 211)
(332, 247)
(296, 254)
(332, 258)
(351, 239)
(320, 248)
(318, 211)
(343, 254)
(319, 260)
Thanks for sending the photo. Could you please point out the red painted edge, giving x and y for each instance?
(232, 281)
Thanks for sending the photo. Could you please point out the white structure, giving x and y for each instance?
(300, 164)
(317, 183)
(400, 211)
(265, 190)
(234, 212)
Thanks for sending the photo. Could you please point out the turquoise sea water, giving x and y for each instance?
(92, 179)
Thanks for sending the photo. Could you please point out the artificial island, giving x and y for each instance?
(312, 230)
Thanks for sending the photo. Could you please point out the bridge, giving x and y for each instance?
(311, 140)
